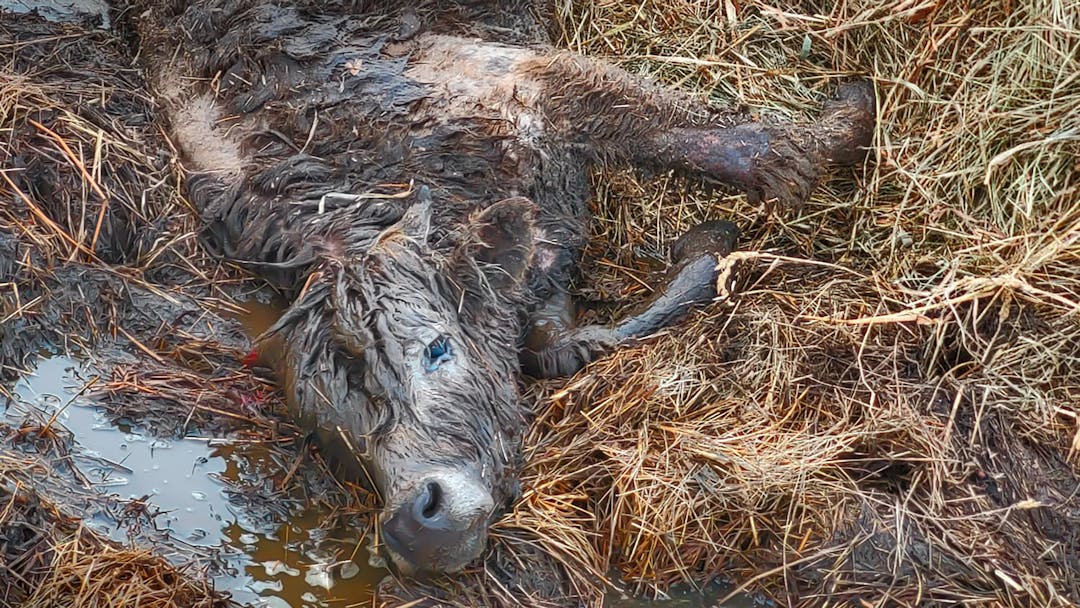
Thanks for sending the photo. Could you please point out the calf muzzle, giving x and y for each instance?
(440, 526)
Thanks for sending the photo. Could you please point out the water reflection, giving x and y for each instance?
(62, 10)
(287, 561)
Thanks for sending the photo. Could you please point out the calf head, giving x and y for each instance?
(403, 356)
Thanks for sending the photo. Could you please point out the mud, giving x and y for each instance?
(713, 595)
(192, 487)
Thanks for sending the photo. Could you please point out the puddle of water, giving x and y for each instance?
(276, 564)
(75, 11)
(258, 316)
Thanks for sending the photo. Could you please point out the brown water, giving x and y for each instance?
(276, 564)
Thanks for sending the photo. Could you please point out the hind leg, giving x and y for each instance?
(555, 348)
(616, 117)
(776, 160)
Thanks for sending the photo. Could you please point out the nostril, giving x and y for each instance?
(440, 522)
(430, 502)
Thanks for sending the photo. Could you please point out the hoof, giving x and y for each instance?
(562, 354)
(847, 122)
(717, 238)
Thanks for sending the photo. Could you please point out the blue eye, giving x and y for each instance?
(437, 353)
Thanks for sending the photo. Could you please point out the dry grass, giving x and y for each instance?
(888, 408)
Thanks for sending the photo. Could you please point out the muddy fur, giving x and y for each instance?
(406, 172)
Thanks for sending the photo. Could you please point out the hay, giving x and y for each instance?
(887, 411)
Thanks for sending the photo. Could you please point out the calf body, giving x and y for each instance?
(421, 193)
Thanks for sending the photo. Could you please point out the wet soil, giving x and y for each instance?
(714, 595)
(189, 484)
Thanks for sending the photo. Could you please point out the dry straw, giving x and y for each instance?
(886, 411)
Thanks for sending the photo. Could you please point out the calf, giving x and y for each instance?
(421, 193)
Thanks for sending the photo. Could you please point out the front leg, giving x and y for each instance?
(555, 348)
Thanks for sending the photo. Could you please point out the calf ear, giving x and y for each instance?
(500, 241)
(347, 326)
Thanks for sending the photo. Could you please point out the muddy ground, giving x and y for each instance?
(139, 430)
